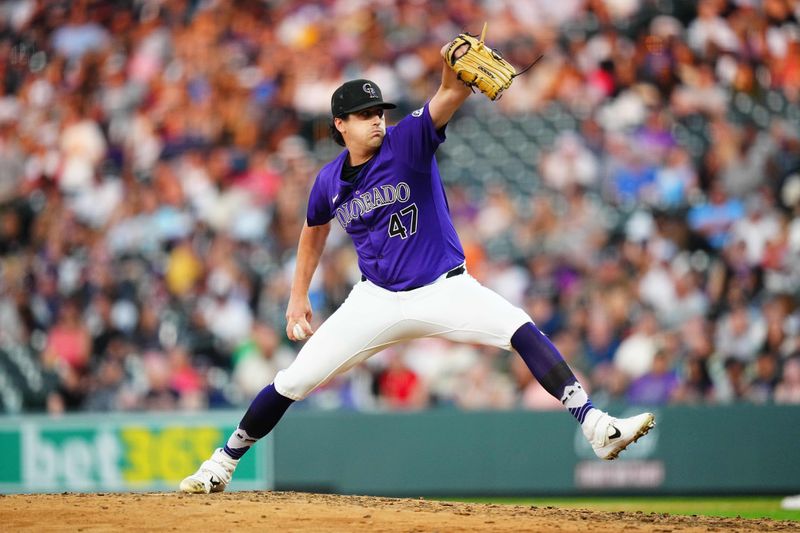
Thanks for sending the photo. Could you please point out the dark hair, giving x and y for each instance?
(336, 135)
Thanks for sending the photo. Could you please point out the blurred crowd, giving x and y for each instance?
(156, 156)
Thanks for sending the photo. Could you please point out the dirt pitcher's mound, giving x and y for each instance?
(291, 511)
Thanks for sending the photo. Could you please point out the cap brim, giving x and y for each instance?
(356, 109)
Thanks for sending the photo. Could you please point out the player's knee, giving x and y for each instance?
(292, 386)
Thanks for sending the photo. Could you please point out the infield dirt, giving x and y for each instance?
(292, 511)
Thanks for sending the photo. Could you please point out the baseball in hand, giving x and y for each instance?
(299, 332)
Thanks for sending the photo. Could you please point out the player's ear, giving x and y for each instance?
(336, 126)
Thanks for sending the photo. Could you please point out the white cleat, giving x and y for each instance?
(612, 435)
(212, 476)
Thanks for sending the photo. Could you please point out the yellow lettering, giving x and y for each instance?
(138, 443)
(174, 458)
(169, 455)
(203, 441)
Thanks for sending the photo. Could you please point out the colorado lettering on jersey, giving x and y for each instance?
(366, 202)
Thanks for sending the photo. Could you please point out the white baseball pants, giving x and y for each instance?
(372, 318)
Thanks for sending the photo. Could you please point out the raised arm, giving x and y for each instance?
(449, 97)
(309, 250)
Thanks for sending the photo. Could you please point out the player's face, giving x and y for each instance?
(364, 129)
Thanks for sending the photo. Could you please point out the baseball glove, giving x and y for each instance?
(478, 66)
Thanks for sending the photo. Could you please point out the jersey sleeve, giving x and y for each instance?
(415, 139)
(319, 207)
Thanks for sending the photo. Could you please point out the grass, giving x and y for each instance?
(746, 507)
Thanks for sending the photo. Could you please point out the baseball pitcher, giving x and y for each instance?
(385, 190)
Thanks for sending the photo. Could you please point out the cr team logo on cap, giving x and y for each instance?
(370, 90)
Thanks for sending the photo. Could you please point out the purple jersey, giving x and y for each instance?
(396, 211)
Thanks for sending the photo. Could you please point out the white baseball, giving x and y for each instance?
(299, 332)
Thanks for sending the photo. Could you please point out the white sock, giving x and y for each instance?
(577, 402)
(238, 443)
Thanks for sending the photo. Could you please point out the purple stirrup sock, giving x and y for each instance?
(550, 369)
(264, 412)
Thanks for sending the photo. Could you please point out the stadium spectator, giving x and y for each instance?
(657, 386)
(482, 388)
(714, 218)
(634, 357)
(694, 385)
(400, 387)
(731, 384)
(68, 343)
(765, 377)
(787, 391)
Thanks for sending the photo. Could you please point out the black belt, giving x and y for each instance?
(457, 271)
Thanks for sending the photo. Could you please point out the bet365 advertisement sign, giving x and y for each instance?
(118, 452)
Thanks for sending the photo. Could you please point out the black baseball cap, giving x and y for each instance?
(357, 95)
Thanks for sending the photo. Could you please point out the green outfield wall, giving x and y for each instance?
(712, 450)
(117, 452)
(737, 449)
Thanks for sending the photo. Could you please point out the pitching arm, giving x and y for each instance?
(309, 250)
(450, 95)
